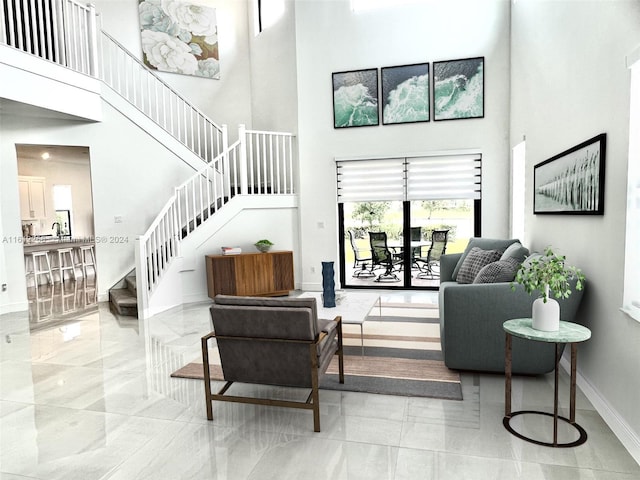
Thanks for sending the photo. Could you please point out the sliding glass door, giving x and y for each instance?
(363, 267)
(397, 216)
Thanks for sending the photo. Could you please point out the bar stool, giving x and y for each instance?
(68, 296)
(65, 262)
(87, 258)
(40, 265)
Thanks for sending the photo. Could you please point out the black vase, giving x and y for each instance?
(328, 285)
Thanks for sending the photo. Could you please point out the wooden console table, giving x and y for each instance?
(256, 274)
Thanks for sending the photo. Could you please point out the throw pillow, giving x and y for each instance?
(516, 251)
(534, 256)
(473, 263)
(500, 271)
(485, 244)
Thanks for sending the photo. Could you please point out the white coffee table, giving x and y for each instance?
(354, 307)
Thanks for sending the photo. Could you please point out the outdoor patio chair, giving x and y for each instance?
(383, 257)
(416, 252)
(363, 262)
(428, 265)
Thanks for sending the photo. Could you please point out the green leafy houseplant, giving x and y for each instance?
(548, 272)
(263, 245)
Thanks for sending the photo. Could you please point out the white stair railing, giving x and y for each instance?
(65, 32)
(61, 31)
(269, 161)
(258, 163)
(193, 202)
(129, 77)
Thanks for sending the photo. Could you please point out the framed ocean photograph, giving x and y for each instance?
(572, 182)
(355, 98)
(405, 93)
(458, 89)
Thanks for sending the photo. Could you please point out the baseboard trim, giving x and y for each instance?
(14, 307)
(620, 428)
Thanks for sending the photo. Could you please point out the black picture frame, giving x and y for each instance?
(572, 182)
(355, 98)
(458, 89)
(405, 94)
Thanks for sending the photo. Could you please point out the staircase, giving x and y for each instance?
(258, 163)
(124, 298)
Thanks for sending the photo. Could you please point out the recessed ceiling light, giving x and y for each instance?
(45, 156)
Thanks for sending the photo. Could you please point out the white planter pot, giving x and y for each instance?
(546, 315)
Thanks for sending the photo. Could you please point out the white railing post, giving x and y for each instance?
(225, 140)
(242, 138)
(226, 173)
(142, 285)
(4, 35)
(93, 41)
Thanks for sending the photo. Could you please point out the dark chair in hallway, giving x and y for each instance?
(363, 261)
(383, 257)
(438, 247)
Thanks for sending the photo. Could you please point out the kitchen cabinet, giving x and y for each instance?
(32, 198)
(259, 274)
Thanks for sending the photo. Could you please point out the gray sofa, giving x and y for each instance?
(471, 318)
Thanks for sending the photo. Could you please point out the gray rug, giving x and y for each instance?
(381, 370)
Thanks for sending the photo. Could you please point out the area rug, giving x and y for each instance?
(401, 357)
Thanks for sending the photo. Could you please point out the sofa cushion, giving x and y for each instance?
(516, 251)
(473, 263)
(485, 244)
(500, 271)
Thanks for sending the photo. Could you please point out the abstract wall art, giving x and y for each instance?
(458, 89)
(355, 98)
(405, 94)
(179, 37)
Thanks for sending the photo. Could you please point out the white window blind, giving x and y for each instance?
(371, 180)
(429, 177)
(444, 177)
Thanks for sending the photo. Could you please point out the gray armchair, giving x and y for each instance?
(272, 341)
(471, 318)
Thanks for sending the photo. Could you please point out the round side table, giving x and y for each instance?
(569, 333)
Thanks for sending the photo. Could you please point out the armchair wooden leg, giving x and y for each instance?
(340, 354)
(207, 377)
(315, 396)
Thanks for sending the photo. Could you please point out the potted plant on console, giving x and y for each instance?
(263, 245)
(545, 274)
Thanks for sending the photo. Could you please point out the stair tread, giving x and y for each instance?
(123, 296)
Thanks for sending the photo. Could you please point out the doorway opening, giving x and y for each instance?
(56, 212)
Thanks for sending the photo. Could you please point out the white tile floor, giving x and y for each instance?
(92, 399)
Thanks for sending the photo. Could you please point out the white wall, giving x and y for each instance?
(570, 83)
(332, 38)
(273, 70)
(225, 101)
(66, 91)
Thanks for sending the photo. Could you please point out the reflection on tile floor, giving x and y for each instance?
(88, 396)
(49, 303)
